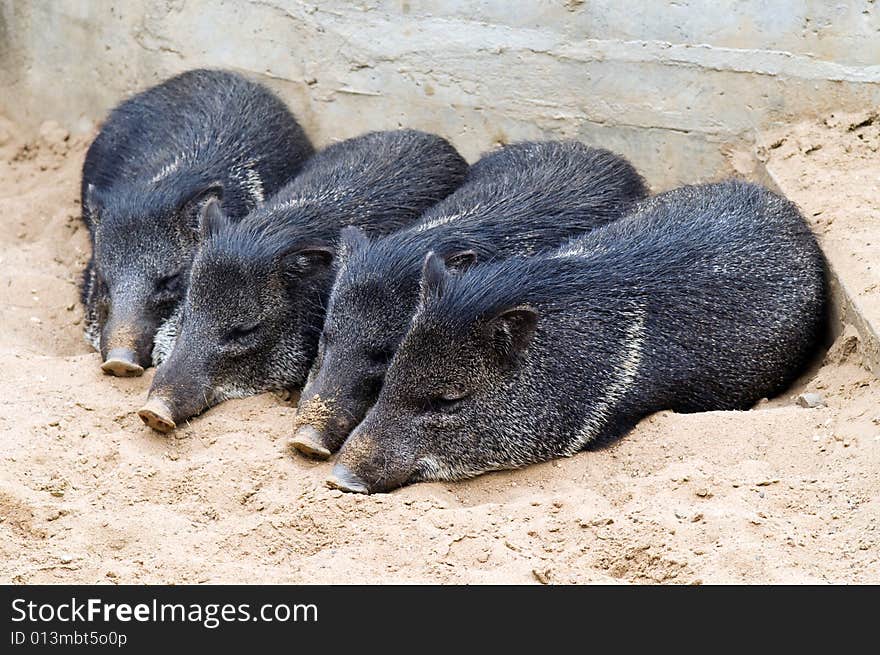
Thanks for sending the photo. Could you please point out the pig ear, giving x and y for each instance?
(351, 240)
(211, 218)
(511, 331)
(461, 260)
(192, 207)
(304, 261)
(434, 276)
(93, 204)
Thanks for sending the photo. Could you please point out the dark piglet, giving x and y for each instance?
(518, 200)
(255, 306)
(704, 298)
(159, 157)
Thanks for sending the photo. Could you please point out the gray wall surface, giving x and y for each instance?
(672, 85)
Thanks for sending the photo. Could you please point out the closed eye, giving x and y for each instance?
(168, 283)
(381, 355)
(241, 333)
(448, 401)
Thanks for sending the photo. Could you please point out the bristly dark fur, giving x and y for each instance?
(201, 131)
(714, 241)
(259, 287)
(214, 121)
(379, 181)
(707, 297)
(519, 200)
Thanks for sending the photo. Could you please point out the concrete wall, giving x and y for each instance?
(670, 84)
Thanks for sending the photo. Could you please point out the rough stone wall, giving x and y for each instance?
(670, 84)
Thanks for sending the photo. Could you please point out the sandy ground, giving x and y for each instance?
(88, 494)
(831, 167)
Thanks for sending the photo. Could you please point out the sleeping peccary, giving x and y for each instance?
(703, 298)
(521, 199)
(255, 306)
(158, 158)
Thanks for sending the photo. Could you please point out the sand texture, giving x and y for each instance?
(781, 493)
